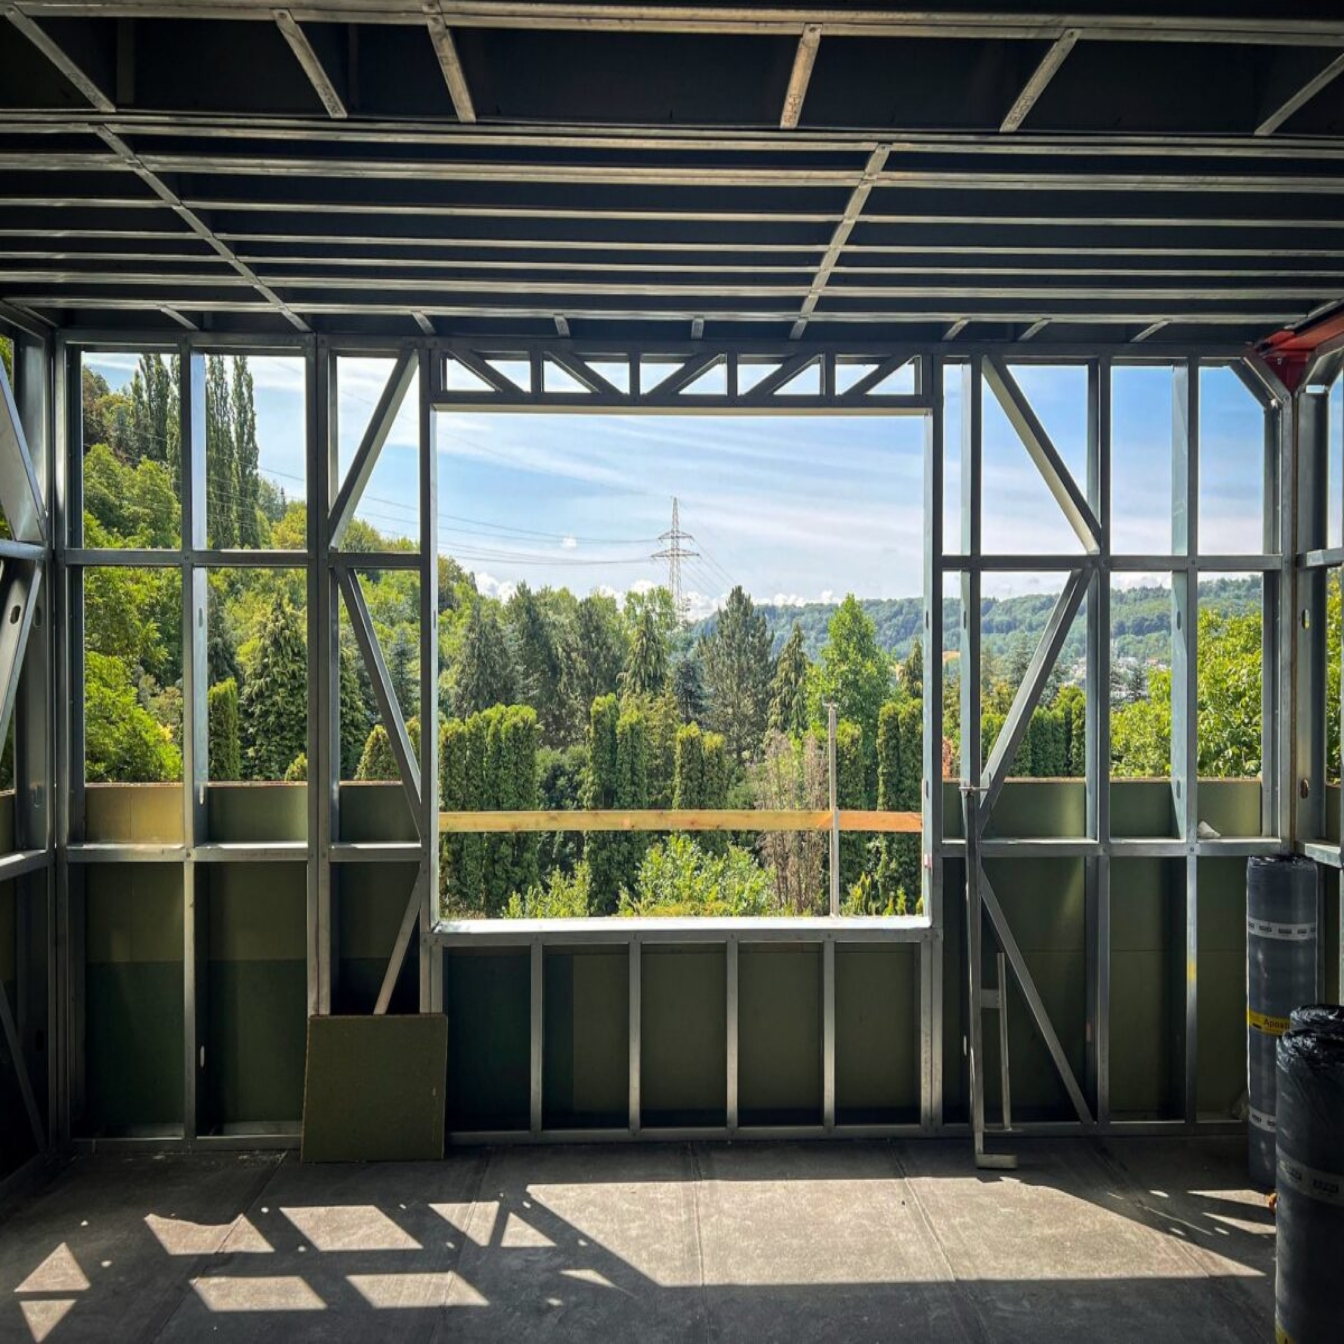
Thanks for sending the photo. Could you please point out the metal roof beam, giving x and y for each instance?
(1143, 25)
(451, 65)
(1275, 115)
(1040, 79)
(312, 64)
(53, 51)
(803, 61)
(858, 198)
(197, 225)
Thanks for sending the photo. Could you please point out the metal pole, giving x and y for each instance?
(835, 811)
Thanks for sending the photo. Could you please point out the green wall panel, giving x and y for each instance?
(255, 993)
(370, 901)
(779, 1034)
(1044, 906)
(1221, 937)
(1231, 806)
(683, 1036)
(1147, 987)
(586, 1036)
(236, 813)
(133, 997)
(375, 811)
(142, 813)
(876, 1033)
(487, 994)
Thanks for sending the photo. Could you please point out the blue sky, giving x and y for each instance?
(794, 508)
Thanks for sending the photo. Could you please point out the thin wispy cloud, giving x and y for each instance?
(797, 509)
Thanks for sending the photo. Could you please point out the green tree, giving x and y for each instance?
(356, 707)
(489, 762)
(225, 754)
(677, 877)
(485, 674)
(687, 684)
(701, 778)
(537, 662)
(788, 690)
(900, 741)
(617, 778)
(403, 668)
(378, 761)
(850, 775)
(244, 425)
(221, 458)
(123, 743)
(738, 671)
(911, 671)
(602, 645)
(157, 425)
(1230, 679)
(854, 674)
(646, 668)
(274, 702)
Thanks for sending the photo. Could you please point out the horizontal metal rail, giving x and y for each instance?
(677, 819)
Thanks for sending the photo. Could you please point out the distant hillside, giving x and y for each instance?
(1140, 620)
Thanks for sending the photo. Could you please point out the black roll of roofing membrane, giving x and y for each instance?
(1280, 976)
(1309, 1252)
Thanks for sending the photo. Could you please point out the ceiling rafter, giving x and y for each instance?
(1144, 25)
(312, 64)
(57, 55)
(1040, 79)
(858, 198)
(198, 226)
(803, 61)
(441, 35)
(1300, 96)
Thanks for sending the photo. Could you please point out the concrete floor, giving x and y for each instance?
(1141, 1239)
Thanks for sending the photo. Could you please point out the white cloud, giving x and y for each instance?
(827, 595)
(789, 600)
(489, 586)
(700, 605)
(569, 544)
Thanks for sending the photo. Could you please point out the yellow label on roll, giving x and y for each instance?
(1281, 1336)
(1271, 1026)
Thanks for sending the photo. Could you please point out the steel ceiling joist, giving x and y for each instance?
(1266, 27)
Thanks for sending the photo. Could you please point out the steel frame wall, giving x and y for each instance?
(50, 760)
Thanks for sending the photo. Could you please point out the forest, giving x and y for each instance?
(552, 700)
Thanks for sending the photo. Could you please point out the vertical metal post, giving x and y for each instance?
(1310, 634)
(970, 811)
(195, 763)
(431, 980)
(635, 1028)
(1184, 689)
(730, 961)
(972, 467)
(68, 615)
(828, 1033)
(831, 726)
(34, 747)
(931, 794)
(1098, 744)
(324, 710)
(1274, 603)
(537, 1017)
